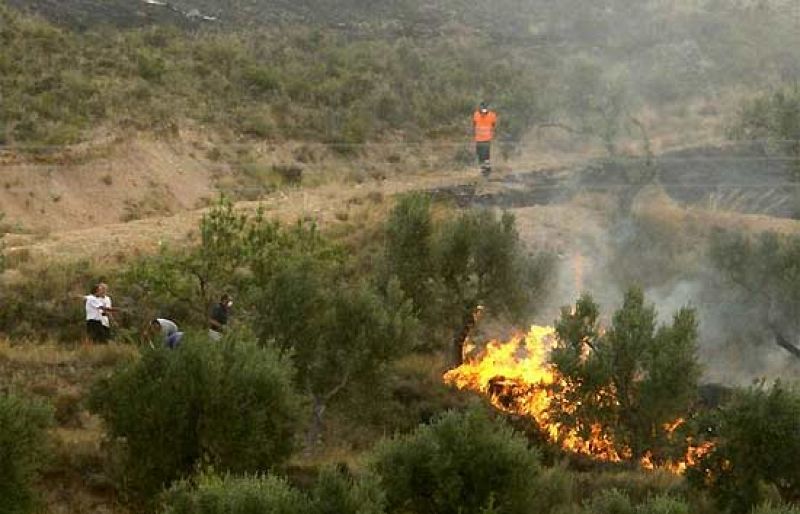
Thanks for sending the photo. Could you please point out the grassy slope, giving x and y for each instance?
(413, 68)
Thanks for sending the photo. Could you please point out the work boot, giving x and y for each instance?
(486, 169)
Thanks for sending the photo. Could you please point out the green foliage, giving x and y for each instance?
(758, 437)
(663, 505)
(23, 449)
(337, 492)
(610, 501)
(449, 268)
(462, 463)
(765, 276)
(231, 404)
(340, 331)
(614, 501)
(776, 509)
(333, 493)
(235, 495)
(409, 234)
(774, 117)
(319, 84)
(58, 315)
(183, 283)
(632, 379)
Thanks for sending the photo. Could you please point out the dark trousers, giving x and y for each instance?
(483, 149)
(97, 332)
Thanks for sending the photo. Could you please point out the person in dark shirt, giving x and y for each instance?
(218, 318)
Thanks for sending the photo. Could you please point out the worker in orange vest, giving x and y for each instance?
(484, 123)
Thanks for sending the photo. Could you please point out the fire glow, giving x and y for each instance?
(516, 377)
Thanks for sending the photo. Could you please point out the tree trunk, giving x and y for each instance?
(315, 428)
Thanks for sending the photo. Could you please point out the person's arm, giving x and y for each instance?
(216, 325)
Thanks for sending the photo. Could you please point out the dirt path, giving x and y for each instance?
(113, 242)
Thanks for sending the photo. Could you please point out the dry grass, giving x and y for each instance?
(75, 479)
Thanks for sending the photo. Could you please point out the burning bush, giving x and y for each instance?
(757, 448)
(615, 395)
(463, 463)
(633, 383)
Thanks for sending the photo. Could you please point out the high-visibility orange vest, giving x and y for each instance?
(484, 125)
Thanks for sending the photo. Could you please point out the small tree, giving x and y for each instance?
(409, 233)
(757, 443)
(185, 281)
(232, 404)
(776, 117)
(764, 274)
(474, 258)
(340, 332)
(463, 463)
(632, 380)
(23, 447)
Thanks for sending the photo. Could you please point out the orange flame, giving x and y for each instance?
(515, 376)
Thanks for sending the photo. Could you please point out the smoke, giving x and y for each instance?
(604, 255)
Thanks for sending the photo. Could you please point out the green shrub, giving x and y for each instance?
(409, 232)
(23, 448)
(663, 505)
(231, 404)
(636, 485)
(556, 489)
(58, 315)
(337, 492)
(632, 379)
(776, 509)
(758, 440)
(333, 493)
(462, 463)
(449, 268)
(235, 495)
(610, 501)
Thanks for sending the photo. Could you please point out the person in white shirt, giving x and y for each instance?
(98, 313)
(96, 328)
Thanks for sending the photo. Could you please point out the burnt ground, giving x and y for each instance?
(750, 178)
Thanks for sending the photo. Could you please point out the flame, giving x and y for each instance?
(516, 377)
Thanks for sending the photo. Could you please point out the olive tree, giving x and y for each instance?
(339, 330)
(756, 443)
(632, 379)
(449, 267)
(231, 405)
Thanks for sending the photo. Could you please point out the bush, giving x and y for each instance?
(611, 501)
(776, 509)
(337, 492)
(333, 493)
(663, 505)
(757, 446)
(409, 232)
(449, 268)
(23, 446)
(462, 463)
(236, 495)
(231, 404)
(58, 315)
(633, 379)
